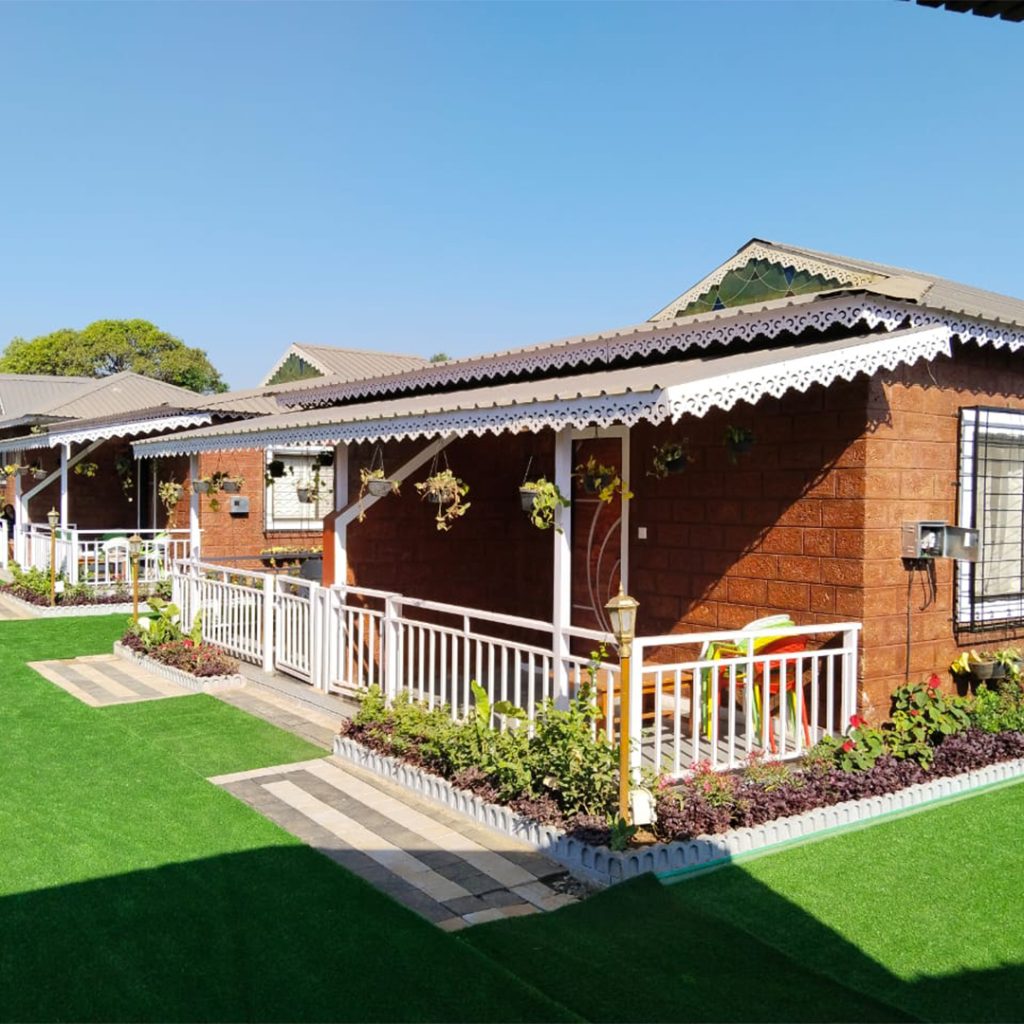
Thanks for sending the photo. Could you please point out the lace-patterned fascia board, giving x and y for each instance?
(655, 406)
(796, 317)
(55, 438)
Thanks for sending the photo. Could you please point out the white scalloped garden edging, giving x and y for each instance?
(201, 684)
(605, 867)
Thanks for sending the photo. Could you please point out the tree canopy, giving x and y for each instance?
(111, 346)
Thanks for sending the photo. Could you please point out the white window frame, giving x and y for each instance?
(971, 609)
(312, 524)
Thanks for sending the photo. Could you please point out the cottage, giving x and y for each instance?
(776, 424)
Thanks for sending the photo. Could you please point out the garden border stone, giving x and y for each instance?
(45, 611)
(201, 684)
(602, 866)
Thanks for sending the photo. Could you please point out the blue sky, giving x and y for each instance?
(461, 177)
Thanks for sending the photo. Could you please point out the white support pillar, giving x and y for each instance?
(193, 509)
(65, 452)
(561, 601)
(20, 518)
(340, 538)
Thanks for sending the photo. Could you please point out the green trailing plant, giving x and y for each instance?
(124, 466)
(541, 499)
(604, 481)
(670, 458)
(444, 489)
(87, 469)
(170, 494)
(738, 441)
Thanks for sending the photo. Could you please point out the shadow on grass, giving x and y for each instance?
(275, 934)
(643, 951)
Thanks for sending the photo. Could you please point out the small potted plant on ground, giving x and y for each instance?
(738, 441)
(980, 665)
(540, 498)
(604, 481)
(444, 489)
(670, 458)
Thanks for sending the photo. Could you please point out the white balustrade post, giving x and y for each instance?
(71, 540)
(850, 642)
(193, 592)
(636, 700)
(268, 622)
(316, 635)
(392, 625)
(3, 543)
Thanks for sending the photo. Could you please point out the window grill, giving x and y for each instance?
(990, 592)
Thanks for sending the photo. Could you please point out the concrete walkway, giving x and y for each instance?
(103, 679)
(10, 610)
(441, 865)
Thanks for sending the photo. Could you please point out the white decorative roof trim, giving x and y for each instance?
(698, 397)
(783, 257)
(847, 311)
(657, 405)
(130, 429)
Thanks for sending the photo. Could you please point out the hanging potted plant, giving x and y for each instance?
(231, 484)
(670, 458)
(202, 485)
(325, 459)
(373, 481)
(125, 468)
(13, 469)
(541, 498)
(604, 481)
(444, 489)
(37, 471)
(276, 469)
(738, 441)
(86, 469)
(170, 494)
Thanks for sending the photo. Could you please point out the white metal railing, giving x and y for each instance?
(714, 696)
(101, 558)
(721, 697)
(4, 541)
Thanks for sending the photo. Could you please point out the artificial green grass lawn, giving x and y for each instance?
(131, 888)
(921, 916)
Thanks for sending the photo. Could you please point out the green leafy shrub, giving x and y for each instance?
(999, 710)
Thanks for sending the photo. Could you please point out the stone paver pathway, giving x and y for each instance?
(11, 610)
(445, 867)
(103, 679)
(305, 720)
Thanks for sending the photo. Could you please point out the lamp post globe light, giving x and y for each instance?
(621, 611)
(53, 517)
(135, 549)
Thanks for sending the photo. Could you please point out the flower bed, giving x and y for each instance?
(33, 587)
(201, 660)
(565, 778)
(201, 684)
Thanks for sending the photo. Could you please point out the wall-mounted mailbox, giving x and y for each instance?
(929, 539)
(239, 505)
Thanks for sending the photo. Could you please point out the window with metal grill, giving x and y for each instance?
(990, 592)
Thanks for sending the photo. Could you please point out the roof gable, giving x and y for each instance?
(305, 362)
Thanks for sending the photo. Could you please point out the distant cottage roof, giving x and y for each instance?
(301, 361)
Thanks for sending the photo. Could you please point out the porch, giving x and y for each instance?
(719, 696)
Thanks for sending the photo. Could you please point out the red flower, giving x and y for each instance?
(856, 721)
(849, 745)
(915, 712)
(933, 681)
(188, 643)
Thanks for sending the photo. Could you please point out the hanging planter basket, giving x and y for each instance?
(526, 496)
(325, 459)
(304, 494)
(201, 486)
(380, 487)
(275, 468)
(231, 486)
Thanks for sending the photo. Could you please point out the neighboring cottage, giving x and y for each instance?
(874, 395)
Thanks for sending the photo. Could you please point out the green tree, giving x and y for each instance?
(112, 346)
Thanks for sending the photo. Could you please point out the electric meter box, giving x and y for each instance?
(239, 506)
(940, 540)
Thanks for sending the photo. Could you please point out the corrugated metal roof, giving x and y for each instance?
(348, 363)
(24, 393)
(521, 399)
